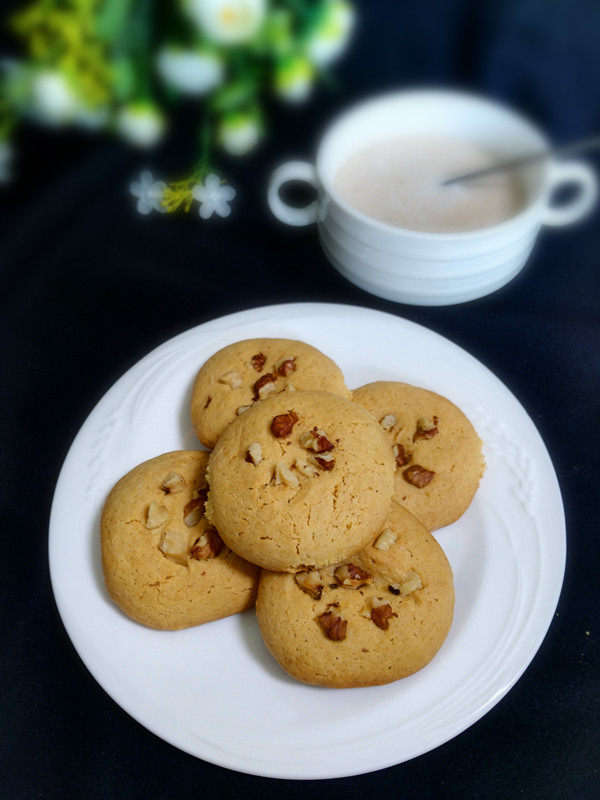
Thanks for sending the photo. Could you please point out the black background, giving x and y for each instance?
(88, 287)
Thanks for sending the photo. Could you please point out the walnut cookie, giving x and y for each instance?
(164, 564)
(438, 455)
(236, 377)
(379, 616)
(302, 478)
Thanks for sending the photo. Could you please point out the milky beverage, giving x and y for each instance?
(398, 181)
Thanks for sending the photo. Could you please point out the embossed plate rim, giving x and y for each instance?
(388, 743)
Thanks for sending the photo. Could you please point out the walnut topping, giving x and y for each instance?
(334, 627)
(385, 539)
(388, 422)
(156, 516)
(394, 588)
(206, 546)
(286, 366)
(264, 386)
(174, 545)
(232, 379)
(283, 423)
(306, 469)
(242, 410)
(352, 576)
(418, 476)
(193, 511)
(411, 583)
(310, 582)
(258, 361)
(426, 429)
(173, 483)
(400, 456)
(283, 474)
(254, 454)
(326, 461)
(381, 614)
(316, 441)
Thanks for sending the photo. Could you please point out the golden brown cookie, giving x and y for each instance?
(164, 564)
(374, 618)
(302, 478)
(245, 372)
(438, 455)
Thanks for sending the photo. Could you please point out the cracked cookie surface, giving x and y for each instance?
(163, 564)
(380, 616)
(240, 374)
(438, 451)
(312, 496)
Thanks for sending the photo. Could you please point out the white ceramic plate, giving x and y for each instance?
(214, 691)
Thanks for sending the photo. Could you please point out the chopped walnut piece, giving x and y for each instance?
(282, 424)
(193, 511)
(400, 456)
(283, 474)
(381, 613)
(206, 546)
(388, 422)
(174, 545)
(173, 483)
(394, 588)
(411, 583)
(325, 460)
(385, 540)
(156, 516)
(242, 410)
(232, 379)
(306, 469)
(426, 429)
(254, 454)
(316, 441)
(334, 627)
(351, 576)
(258, 361)
(310, 582)
(264, 386)
(418, 476)
(286, 366)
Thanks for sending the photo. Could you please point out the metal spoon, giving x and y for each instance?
(575, 147)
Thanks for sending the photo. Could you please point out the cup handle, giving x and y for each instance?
(293, 171)
(580, 175)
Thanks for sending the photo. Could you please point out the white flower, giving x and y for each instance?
(213, 197)
(239, 133)
(148, 192)
(141, 124)
(330, 37)
(6, 155)
(189, 71)
(227, 21)
(294, 78)
(53, 100)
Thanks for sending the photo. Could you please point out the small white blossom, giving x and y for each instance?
(6, 155)
(149, 193)
(227, 21)
(189, 71)
(239, 133)
(141, 124)
(53, 100)
(331, 36)
(213, 197)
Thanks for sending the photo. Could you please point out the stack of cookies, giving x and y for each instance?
(315, 504)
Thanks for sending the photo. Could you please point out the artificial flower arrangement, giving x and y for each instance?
(121, 65)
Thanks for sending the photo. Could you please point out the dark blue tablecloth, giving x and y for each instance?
(88, 287)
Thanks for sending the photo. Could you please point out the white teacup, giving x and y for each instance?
(431, 268)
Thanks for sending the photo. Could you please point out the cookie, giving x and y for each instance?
(164, 565)
(378, 617)
(245, 372)
(302, 478)
(437, 450)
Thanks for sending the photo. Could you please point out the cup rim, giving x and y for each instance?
(529, 210)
